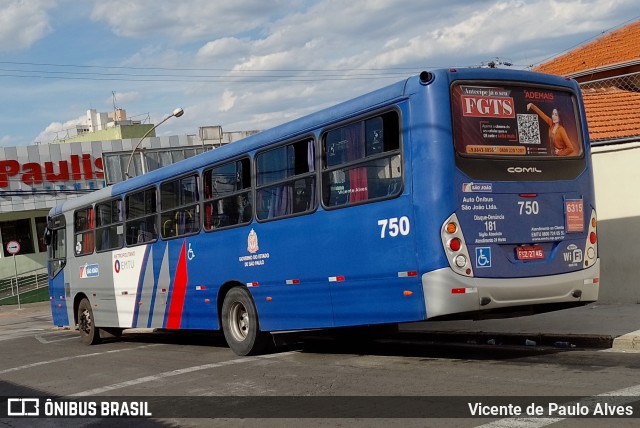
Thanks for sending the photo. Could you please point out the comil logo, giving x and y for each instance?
(525, 170)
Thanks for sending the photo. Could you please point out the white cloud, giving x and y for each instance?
(58, 130)
(188, 20)
(221, 48)
(22, 23)
(227, 101)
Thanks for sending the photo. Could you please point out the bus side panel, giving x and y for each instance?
(191, 303)
(92, 276)
(278, 265)
(370, 250)
(145, 292)
(128, 266)
(59, 311)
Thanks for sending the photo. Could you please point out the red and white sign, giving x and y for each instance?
(13, 247)
(575, 215)
(77, 168)
(488, 107)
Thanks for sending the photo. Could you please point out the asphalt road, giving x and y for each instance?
(195, 374)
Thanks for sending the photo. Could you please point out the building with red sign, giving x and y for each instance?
(33, 179)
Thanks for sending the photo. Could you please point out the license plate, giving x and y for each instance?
(529, 252)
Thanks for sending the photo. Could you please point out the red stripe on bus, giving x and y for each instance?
(179, 291)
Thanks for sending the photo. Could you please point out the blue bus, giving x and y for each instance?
(460, 193)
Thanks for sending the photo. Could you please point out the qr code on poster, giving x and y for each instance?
(528, 129)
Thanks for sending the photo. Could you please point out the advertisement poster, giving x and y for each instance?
(514, 121)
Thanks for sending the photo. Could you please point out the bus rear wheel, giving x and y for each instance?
(240, 324)
(89, 333)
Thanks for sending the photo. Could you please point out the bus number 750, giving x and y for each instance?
(529, 207)
(397, 226)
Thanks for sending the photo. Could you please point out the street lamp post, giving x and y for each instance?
(177, 113)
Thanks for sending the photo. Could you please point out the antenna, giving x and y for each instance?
(113, 94)
(497, 62)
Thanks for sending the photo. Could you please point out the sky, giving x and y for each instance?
(254, 64)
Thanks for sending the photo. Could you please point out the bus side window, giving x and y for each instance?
(141, 217)
(179, 209)
(83, 225)
(286, 178)
(109, 228)
(227, 195)
(370, 153)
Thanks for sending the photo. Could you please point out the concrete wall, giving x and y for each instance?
(616, 175)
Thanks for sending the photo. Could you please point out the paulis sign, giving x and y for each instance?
(78, 167)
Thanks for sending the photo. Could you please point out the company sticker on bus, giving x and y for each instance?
(253, 258)
(90, 271)
(477, 187)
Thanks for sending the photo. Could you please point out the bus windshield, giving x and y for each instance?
(491, 120)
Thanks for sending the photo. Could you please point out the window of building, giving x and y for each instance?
(362, 161)
(41, 227)
(109, 227)
(285, 179)
(179, 206)
(227, 195)
(83, 225)
(141, 217)
(19, 231)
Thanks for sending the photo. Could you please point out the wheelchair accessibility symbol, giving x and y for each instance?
(483, 257)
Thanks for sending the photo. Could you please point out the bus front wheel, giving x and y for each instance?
(89, 333)
(240, 323)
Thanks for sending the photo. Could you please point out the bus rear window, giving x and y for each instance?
(514, 121)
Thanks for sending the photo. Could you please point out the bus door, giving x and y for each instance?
(57, 242)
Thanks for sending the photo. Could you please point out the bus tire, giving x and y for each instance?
(89, 333)
(240, 324)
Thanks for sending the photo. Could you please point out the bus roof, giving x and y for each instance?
(306, 125)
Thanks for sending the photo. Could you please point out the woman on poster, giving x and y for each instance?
(562, 145)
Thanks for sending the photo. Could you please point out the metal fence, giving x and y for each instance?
(24, 282)
(613, 105)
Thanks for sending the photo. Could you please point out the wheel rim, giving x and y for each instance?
(84, 323)
(238, 321)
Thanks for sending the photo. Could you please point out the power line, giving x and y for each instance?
(228, 76)
(210, 80)
(259, 70)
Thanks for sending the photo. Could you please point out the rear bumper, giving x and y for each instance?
(478, 294)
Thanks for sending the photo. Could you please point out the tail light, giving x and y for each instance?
(455, 247)
(591, 245)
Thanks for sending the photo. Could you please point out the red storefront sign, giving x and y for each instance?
(78, 167)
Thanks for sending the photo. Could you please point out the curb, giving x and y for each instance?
(628, 342)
